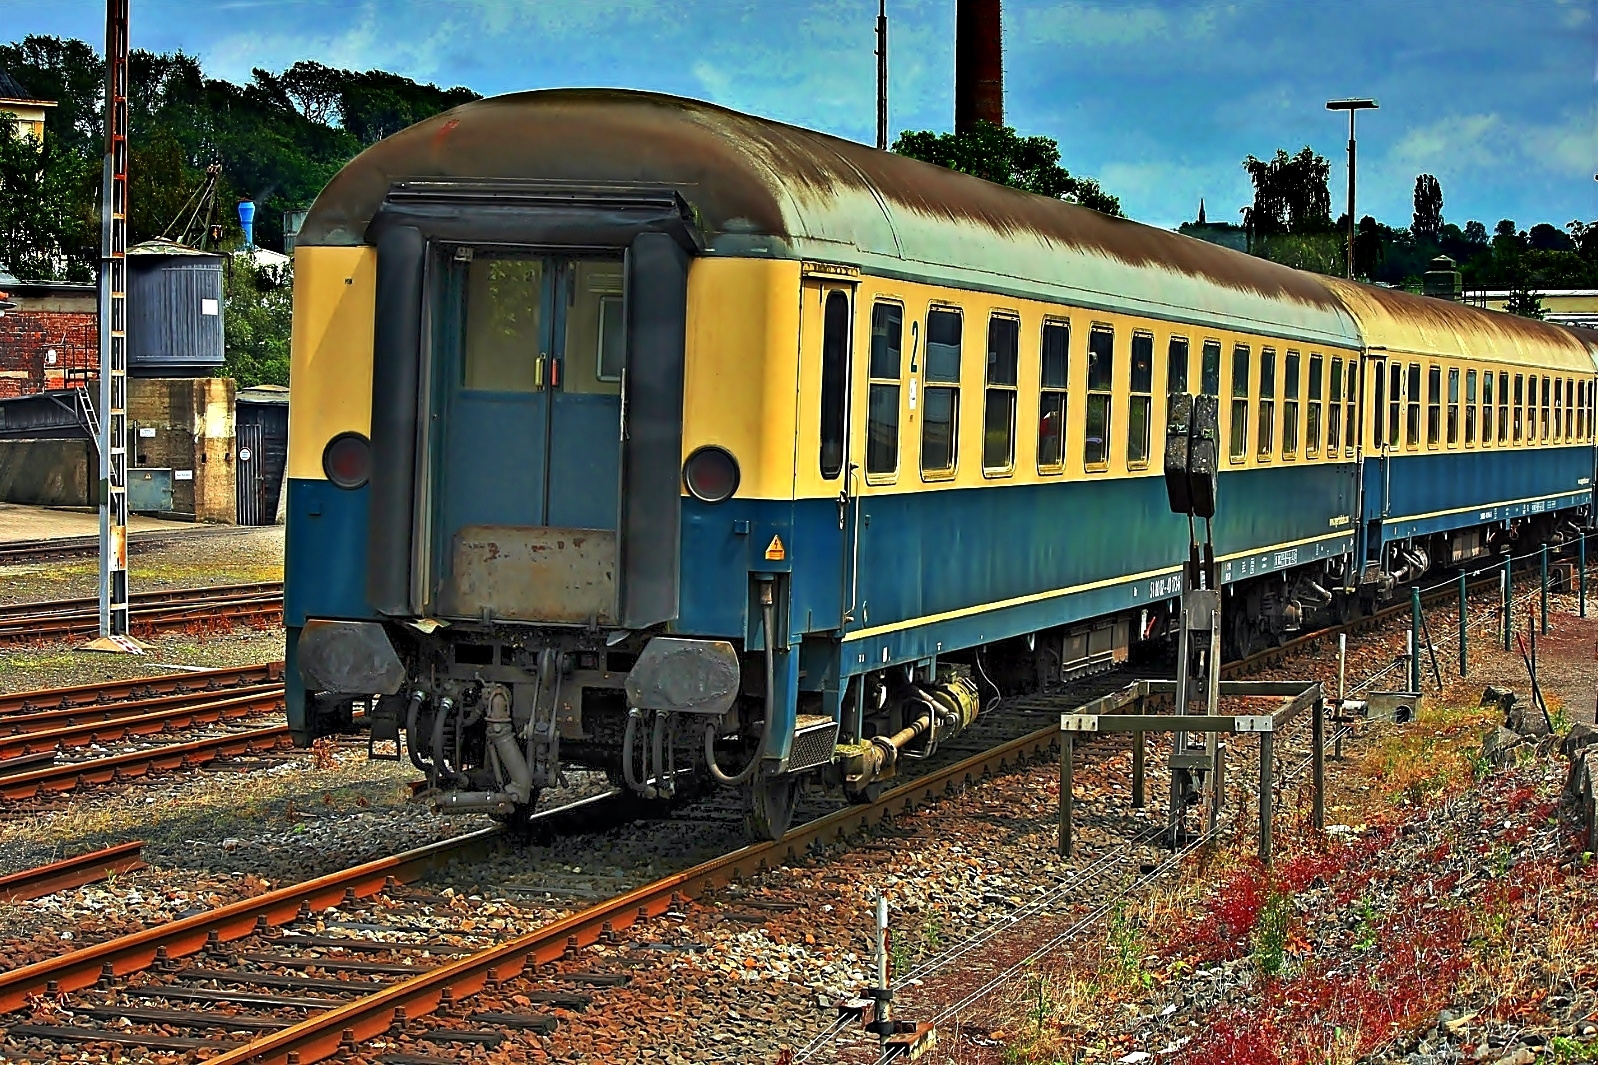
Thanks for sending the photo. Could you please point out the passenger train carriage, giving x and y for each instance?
(633, 433)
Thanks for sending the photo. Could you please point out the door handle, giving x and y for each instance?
(538, 371)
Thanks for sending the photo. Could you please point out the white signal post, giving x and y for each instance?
(113, 339)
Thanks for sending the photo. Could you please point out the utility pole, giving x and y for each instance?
(1350, 106)
(113, 337)
(882, 75)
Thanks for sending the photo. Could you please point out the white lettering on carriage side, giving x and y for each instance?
(1286, 558)
(1170, 584)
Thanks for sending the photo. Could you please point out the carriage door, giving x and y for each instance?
(528, 354)
(830, 305)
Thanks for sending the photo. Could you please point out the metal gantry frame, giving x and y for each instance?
(113, 331)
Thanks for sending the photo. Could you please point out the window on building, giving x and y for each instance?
(1211, 370)
(1290, 404)
(834, 381)
(998, 402)
(1470, 407)
(1101, 373)
(882, 400)
(1267, 425)
(1312, 406)
(1453, 406)
(940, 417)
(1520, 404)
(1395, 402)
(1176, 366)
(1503, 409)
(1055, 364)
(1334, 414)
(1140, 402)
(1237, 442)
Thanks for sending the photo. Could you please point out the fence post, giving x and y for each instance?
(1583, 572)
(1509, 599)
(1464, 669)
(1545, 589)
(1414, 639)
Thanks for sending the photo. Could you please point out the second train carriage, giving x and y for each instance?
(636, 433)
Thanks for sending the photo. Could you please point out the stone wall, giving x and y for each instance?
(49, 473)
(185, 424)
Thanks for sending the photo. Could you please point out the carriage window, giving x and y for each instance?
(1334, 416)
(1267, 424)
(1312, 410)
(940, 418)
(1211, 370)
(1237, 444)
(1487, 408)
(1140, 404)
(1395, 402)
(1558, 402)
(1453, 405)
(1176, 366)
(503, 329)
(1055, 362)
(998, 404)
(882, 402)
(834, 381)
(1351, 423)
(1412, 407)
(1101, 371)
(1290, 404)
(1581, 410)
(1434, 405)
(1570, 409)
(1520, 404)
(1503, 409)
(1470, 407)
(1377, 420)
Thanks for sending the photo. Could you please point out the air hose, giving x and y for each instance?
(768, 612)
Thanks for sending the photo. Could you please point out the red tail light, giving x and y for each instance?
(711, 474)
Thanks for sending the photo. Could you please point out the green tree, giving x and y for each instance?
(1290, 193)
(999, 154)
(1523, 301)
(1427, 222)
(258, 307)
(47, 230)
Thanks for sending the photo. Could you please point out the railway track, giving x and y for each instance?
(111, 691)
(372, 998)
(60, 730)
(152, 612)
(56, 548)
(66, 776)
(71, 872)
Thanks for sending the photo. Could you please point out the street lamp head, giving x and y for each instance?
(1349, 105)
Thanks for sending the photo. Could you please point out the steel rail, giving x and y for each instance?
(364, 1018)
(66, 776)
(152, 610)
(105, 693)
(71, 872)
(60, 547)
(32, 733)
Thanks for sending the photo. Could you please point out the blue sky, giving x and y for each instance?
(1158, 100)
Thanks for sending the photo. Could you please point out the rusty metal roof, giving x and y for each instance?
(769, 189)
(1406, 324)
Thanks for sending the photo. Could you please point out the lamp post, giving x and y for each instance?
(1350, 106)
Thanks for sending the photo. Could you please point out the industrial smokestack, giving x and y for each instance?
(978, 64)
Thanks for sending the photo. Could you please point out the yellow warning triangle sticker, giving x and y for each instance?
(775, 551)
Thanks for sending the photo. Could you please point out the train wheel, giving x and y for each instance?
(770, 805)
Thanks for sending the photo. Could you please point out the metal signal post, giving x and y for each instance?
(113, 330)
(882, 75)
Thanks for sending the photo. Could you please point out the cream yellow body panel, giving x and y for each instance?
(331, 353)
(740, 382)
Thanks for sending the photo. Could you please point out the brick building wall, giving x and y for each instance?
(28, 336)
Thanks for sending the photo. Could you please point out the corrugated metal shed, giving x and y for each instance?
(763, 188)
(1406, 324)
(174, 311)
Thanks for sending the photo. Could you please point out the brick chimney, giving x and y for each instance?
(978, 64)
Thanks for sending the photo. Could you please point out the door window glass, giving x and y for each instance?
(1503, 409)
(1487, 401)
(940, 419)
(1334, 414)
(1453, 405)
(1558, 403)
(998, 402)
(1395, 401)
(882, 414)
(1470, 407)
(1520, 404)
(1434, 405)
(596, 343)
(1545, 410)
(1351, 422)
(1101, 372)
(1055, 364)
(1141, 402)
(501, 348)
(834, 381)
